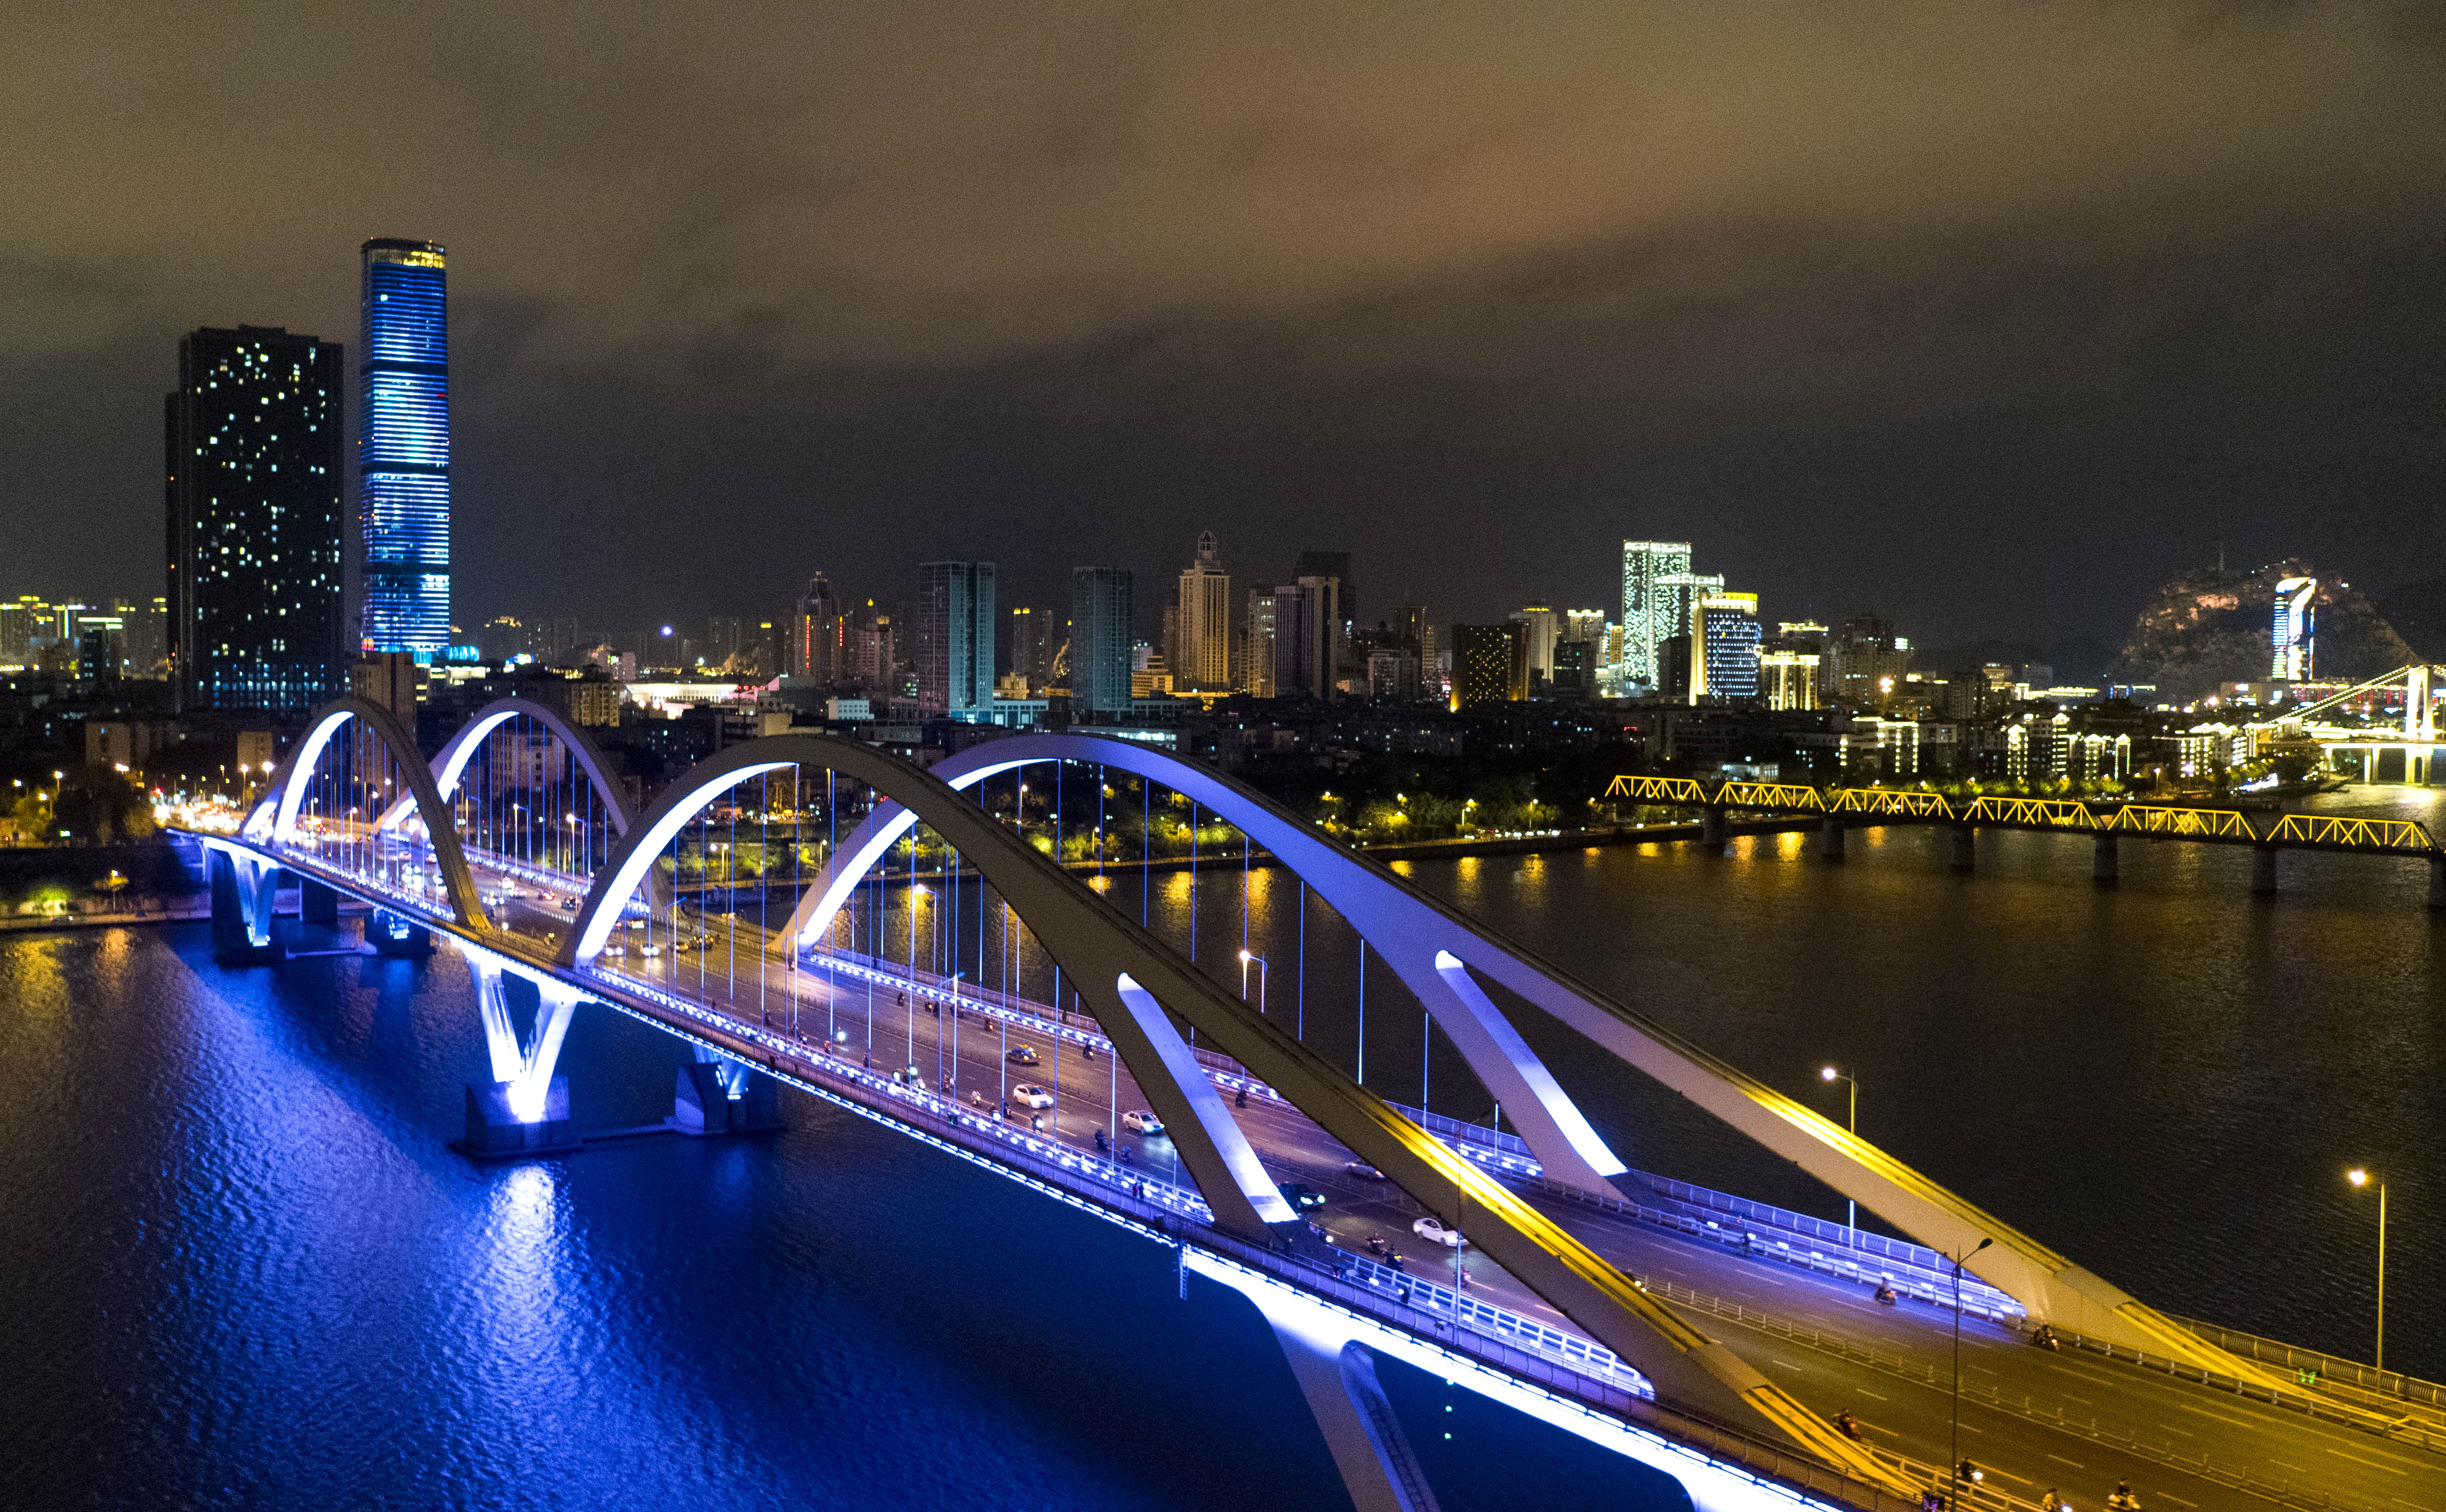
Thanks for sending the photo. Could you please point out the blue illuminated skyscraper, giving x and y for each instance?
(403, 433)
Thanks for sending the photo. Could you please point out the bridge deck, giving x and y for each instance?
(2036, 1419)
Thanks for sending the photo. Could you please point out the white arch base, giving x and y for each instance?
(523, 1068)
(1382, 1474)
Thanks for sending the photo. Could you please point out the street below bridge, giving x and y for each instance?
(2031, 1420)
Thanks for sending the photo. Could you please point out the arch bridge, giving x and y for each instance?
(755, 907)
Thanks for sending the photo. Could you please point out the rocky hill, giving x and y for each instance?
(2209, 626)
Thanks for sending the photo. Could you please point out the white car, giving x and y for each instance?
(1138, 1121)
(650, 949)
(1027, 1094)
(1433, 1230)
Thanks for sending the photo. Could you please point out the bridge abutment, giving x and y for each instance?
(2263, 869)
(2104, 865)
(1965, 849)
(1830, 836)
(316, 903)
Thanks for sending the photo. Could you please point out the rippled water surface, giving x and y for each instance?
(241, 1270)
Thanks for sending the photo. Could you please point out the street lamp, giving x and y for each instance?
(2362, 1178)
(1245, 959)
(1954, 1454)
(1851, 1205)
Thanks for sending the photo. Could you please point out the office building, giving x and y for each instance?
(1334, 567)
(1257, 645)
(1789, 678)
(2296, 629)
(1101, 611)
(255, 531)
(1490, 665)
(818, 636)
(1724, 647)
(1583, 625)
(1658, 589)
(1035, 637)
(1575, 670)
(1202, 635)
(403, 440)
(1393, 675)
(1870, 661)
(23, 624)
(955, 640)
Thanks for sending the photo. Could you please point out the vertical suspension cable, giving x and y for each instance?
(1300, 1030)
(1363, 1010)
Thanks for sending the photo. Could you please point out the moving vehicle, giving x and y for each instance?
(649, 947)
(1362, 1170)
(1301, 1195)
(1138, 1121)
(1433, 1229)
(1023, 1055)
(1027, 1094)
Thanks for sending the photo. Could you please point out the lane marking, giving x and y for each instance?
(2061, 1460)
(1865, 1391)
(2186, 1406)
(1788, 1365)
(2372, 1464)
(2185, 1432)
(2172, 1497)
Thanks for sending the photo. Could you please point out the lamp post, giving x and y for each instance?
(581, 869)
(2362, 1178)
(1851, 1205)
(1245, 959)
(1954, 1452)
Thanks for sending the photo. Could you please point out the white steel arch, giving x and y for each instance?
(1133, 984)
(451, 763)
(273, 823)
(1435, 951)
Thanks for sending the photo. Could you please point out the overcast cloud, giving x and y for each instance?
(1984, 314)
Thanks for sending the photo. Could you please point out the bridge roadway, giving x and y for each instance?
(2034, 1420)
(2031, 1419)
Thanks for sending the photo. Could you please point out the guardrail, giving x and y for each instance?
(2330, 1369)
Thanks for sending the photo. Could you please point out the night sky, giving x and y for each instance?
(1986, 317)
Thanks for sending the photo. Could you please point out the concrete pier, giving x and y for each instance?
(2438, 882)
(493, 1130)
(2263, 869)
(2104, 865)
(702, 1105)
(1713, 831)
(1830, 837)
(1965, 849)
(316, 903)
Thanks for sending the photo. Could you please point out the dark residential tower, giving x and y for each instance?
(1100, 610)
(256, 531)
(955, 640)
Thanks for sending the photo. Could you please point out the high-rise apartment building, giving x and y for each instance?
(955, 640)
(819, 640)
(1100, 610)
(1490, 665)
(1304, 637)
(1035, 636)
(1724, 647)
(1203, 631)
(1540, 627)
(255, 533)
(1583, 625)
(404, 439)
(22, 623)
(1870, 661)
(1657, 590)
(1257, 645)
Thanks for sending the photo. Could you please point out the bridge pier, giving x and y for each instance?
(391, 933)
(2103, 866)
(2263, 869)
(717, 1095)
(495, 1128)
(1965, 849)
(2438, 882)
(243, 896)
(1831, 836)
(1337, 1375)
(1712, 832)
(316, 903)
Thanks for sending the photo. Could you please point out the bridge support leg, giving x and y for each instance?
(243, 892)
(2438, 882)
(2263, 869)
(1713, 831)
(525, 1108)
(2103, 866)
(717, 1095)
(316, 903)
(1337, 1375)
(1965, 849)
(1830, 836)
